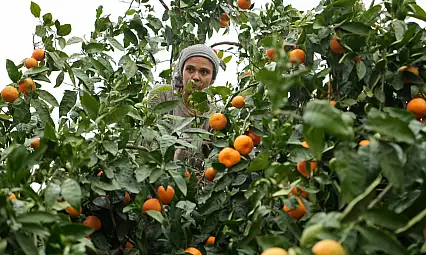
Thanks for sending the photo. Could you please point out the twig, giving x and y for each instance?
(380, 196)
(164, 4)
(133, 147)
(130, 5)
(226, 43)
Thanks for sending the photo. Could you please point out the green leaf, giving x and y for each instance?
(351, 173)
(417, 12)
(71, 192)
(36, 70)
(64, 30)
(12, 71)
(197, 131)
(361, 70)
(187, 206)
(356, 28)
(74, 40)
(130, 68)
(213, 204)
(35, 9)
(315, 138)
(84, 78)
(51, 193)
(77, 230)
(157, 216)
(26, 243)
(21, 112)
(166, 106)
(68, 101)
(390, 126)
(116, 114)
(375, 239)
(47, 19)
(37, 217)
(260, 162)
(400, 28)
(59, 79)
(143, 172)
(227, 59)
(180, 181)
(320, 114)
(383, 217)
(391, 163)
(269, 241)
(90, 105)
(165, 142)
(46, 96)
(49, 132)
(115, 43)
(42, 110)
(110, 146)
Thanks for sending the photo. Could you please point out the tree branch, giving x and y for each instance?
(226, 43)
(134, 147)
(5, 120)
(164, 4)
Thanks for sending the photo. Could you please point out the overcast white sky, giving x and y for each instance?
(19, 24)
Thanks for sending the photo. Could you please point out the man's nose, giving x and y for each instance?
(196, 76)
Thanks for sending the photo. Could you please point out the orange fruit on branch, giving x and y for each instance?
(187, 174)
(417, 106)
(210, 173)
(193, 251)
(30, 63)
(328, 247)
(333, 102)
(223, 23)
(93, 222)
(299, 191)
(335, 46)
(35, 143)
(25, 85)
(224, 17)
(364, 142)
(12, 196)
(151, 204)
(297, 56)
(229, 157)
(73, 212)
(243, 144)
(38, 54)
(297, 212)
(301, 167)
(217, 121)
(275, 251)
(129, 245)
(211, 240)
(238, 102)
(271, 54)
(256, 139)
(9, 94)
(166, 196)
(305, 144)
(126, 200)
(244, 4)
(412, 69)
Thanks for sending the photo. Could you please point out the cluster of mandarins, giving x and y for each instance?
(10, 93)
(224, 18)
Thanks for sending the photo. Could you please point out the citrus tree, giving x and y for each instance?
(318, 149)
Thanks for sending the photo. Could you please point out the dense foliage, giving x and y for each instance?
(308, 179)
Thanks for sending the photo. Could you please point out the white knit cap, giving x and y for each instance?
(198, 50)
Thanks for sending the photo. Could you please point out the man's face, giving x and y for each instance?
(200, 70)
